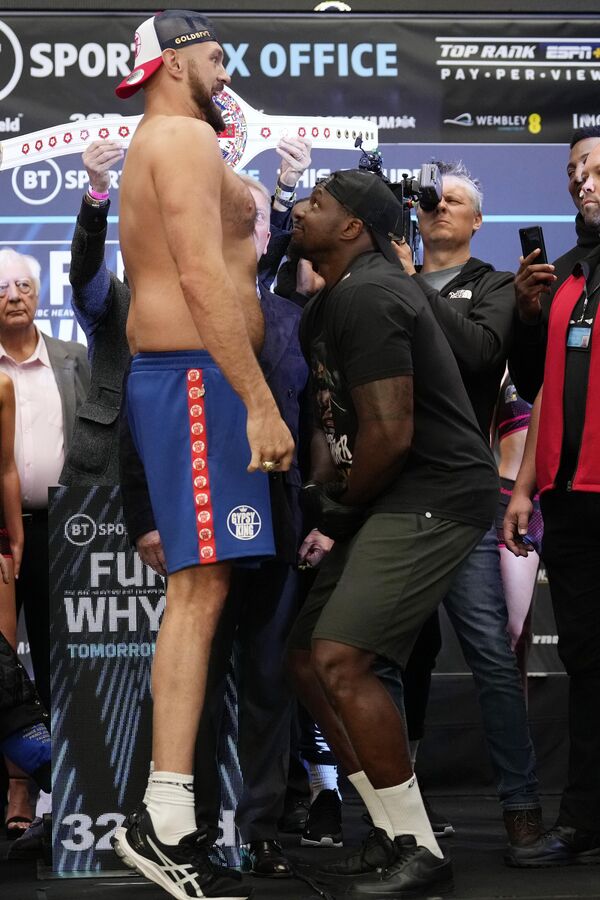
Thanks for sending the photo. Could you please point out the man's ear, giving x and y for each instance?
(352, 229)
(172, 62)
(477, 222)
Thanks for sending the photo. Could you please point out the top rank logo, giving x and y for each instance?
(519, 59)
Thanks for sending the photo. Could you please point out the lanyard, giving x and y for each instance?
(586, 298)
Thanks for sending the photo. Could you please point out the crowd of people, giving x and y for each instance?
(303, 424)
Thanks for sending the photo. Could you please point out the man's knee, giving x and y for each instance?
(198, 593)
(339, 666)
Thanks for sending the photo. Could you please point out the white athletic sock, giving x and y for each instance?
(413, 747)
(43, 804)
(406, 812)
(169, 799)
(372, 802)
(321, 778)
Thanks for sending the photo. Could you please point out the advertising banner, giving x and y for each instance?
(106, 611)
(502, 95)
(430, 79)
(106, 608)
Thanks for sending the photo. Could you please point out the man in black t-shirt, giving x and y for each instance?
(405, 483)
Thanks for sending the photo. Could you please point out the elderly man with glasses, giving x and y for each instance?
(50, 377)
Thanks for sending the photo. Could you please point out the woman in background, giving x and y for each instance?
(518, 573)
(18, 815)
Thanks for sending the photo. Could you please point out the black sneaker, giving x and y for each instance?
(183, 870)
(324, 823)
(561, 846)
(127, 822)
(440, 825)
(415, 872)
(376, 852)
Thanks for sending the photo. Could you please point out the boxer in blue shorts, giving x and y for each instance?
(186, 225)
(186, 420)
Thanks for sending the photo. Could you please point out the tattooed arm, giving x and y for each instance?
(384, 411)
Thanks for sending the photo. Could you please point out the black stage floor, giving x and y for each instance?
(476, 849)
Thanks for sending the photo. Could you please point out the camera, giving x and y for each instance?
(425, 189)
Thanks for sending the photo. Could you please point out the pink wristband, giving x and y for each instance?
(97, 195)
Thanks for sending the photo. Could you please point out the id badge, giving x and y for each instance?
(579, 337)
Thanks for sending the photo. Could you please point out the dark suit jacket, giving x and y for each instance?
(286, 373)
(72, 373)
(101, 304)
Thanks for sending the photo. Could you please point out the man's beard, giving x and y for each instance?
(204, 101)
(294, 250)
(591, 217)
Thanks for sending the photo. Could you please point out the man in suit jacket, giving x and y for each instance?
(51, 378)
(101, 304)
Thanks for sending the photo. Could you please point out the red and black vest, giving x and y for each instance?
(551, 428)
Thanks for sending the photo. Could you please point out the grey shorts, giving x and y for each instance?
(376, 591)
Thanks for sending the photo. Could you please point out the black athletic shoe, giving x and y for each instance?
(324, 823)
(561, 846)
(376, 852)
(440, 825)
(128, 821)
(183, 870)
(415, 873)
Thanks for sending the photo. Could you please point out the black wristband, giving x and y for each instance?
(285, 189)
(285, 198)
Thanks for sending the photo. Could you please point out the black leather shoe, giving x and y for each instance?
(414, 873)
(561, 846)
(376, 852)
(266, 859)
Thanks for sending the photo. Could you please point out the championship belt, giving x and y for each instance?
(248, 132)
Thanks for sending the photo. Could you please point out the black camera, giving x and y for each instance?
(425, 189)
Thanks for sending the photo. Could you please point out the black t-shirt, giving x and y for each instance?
(374, 324)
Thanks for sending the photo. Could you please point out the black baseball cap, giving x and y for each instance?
(369, 198)
(173, 28)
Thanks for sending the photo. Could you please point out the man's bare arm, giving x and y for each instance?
(520, 508)
(188, 176)
(385, 431)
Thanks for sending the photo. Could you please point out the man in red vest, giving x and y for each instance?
(562, 461)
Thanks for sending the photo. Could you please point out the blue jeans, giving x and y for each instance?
(476, 607)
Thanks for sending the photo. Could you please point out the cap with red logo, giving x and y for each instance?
(173, 28)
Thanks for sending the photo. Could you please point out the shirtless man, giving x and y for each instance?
(205, 423)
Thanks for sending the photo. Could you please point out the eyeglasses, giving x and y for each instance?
(23, 287)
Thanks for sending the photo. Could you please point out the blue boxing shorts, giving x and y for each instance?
(189, 428)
